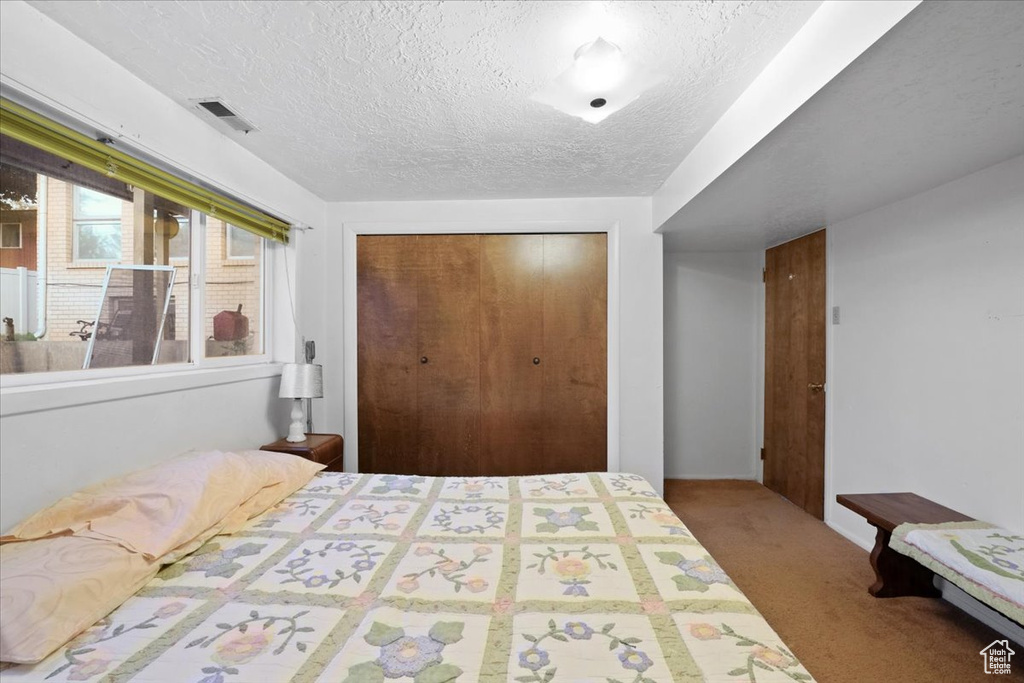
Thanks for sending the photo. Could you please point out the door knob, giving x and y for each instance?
(816, 387)
(423, 360)
(536, 361)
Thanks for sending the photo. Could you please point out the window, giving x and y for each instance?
(241, 244)
(234, 291)
(97, 226)
(133, 315)
(10, 236)
(178, 247)
(129, 277)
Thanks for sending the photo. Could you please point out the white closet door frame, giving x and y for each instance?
(353, 230)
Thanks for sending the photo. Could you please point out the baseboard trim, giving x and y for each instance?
(850, 536)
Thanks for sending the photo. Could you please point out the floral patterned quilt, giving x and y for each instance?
(985, 561)
(361, 578)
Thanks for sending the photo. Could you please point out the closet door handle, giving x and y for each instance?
(536, 361)
(423, 360)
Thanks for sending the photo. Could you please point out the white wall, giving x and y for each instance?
(313, 303)
(51, 453)
(59, 439)
(926, 382)
(47, 62)
(639, 419)
(713, 304)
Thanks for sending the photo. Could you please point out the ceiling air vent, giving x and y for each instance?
(214, 107)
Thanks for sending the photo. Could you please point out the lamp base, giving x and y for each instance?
(295, 433)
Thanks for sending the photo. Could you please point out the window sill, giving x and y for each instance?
(38, 397)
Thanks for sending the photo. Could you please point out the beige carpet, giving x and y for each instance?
(811, 584)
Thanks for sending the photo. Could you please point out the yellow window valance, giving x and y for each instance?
(41, 132)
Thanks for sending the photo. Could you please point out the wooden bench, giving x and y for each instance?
(898, 575)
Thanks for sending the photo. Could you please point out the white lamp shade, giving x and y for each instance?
(302, 380)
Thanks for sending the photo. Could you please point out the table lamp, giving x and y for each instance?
(300, 381)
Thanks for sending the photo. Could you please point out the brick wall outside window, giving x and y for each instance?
(74, 289)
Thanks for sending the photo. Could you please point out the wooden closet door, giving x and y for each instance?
(575, 358)
(511, 337)
(387, 353)
(448, 330)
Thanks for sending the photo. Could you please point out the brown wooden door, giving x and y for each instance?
(794, 403)
(544, 354)
(388, 353)
(448, 329)
(511, 336)
(575, 353)
(482, 354)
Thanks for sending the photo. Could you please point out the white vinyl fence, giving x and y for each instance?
(18, 298)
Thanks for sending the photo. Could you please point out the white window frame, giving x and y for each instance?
(77, 222)
(21, 235)
(24, 392)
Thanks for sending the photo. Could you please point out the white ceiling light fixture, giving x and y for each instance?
(599, 83)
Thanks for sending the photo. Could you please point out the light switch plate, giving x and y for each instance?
(835, 315)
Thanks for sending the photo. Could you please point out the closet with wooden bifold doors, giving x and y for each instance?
(482, 355)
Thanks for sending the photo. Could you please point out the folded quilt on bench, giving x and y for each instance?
(985, 561)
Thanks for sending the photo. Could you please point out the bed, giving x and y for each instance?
(983, 560)
(362, 578)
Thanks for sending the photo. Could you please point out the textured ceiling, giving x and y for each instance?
(939, 96)
(430, 100)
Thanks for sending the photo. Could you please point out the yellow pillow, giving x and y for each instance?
(155, 510)
(54, 588)
(82, 557)
(284, 474)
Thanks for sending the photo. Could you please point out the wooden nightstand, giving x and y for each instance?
(325, 448)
